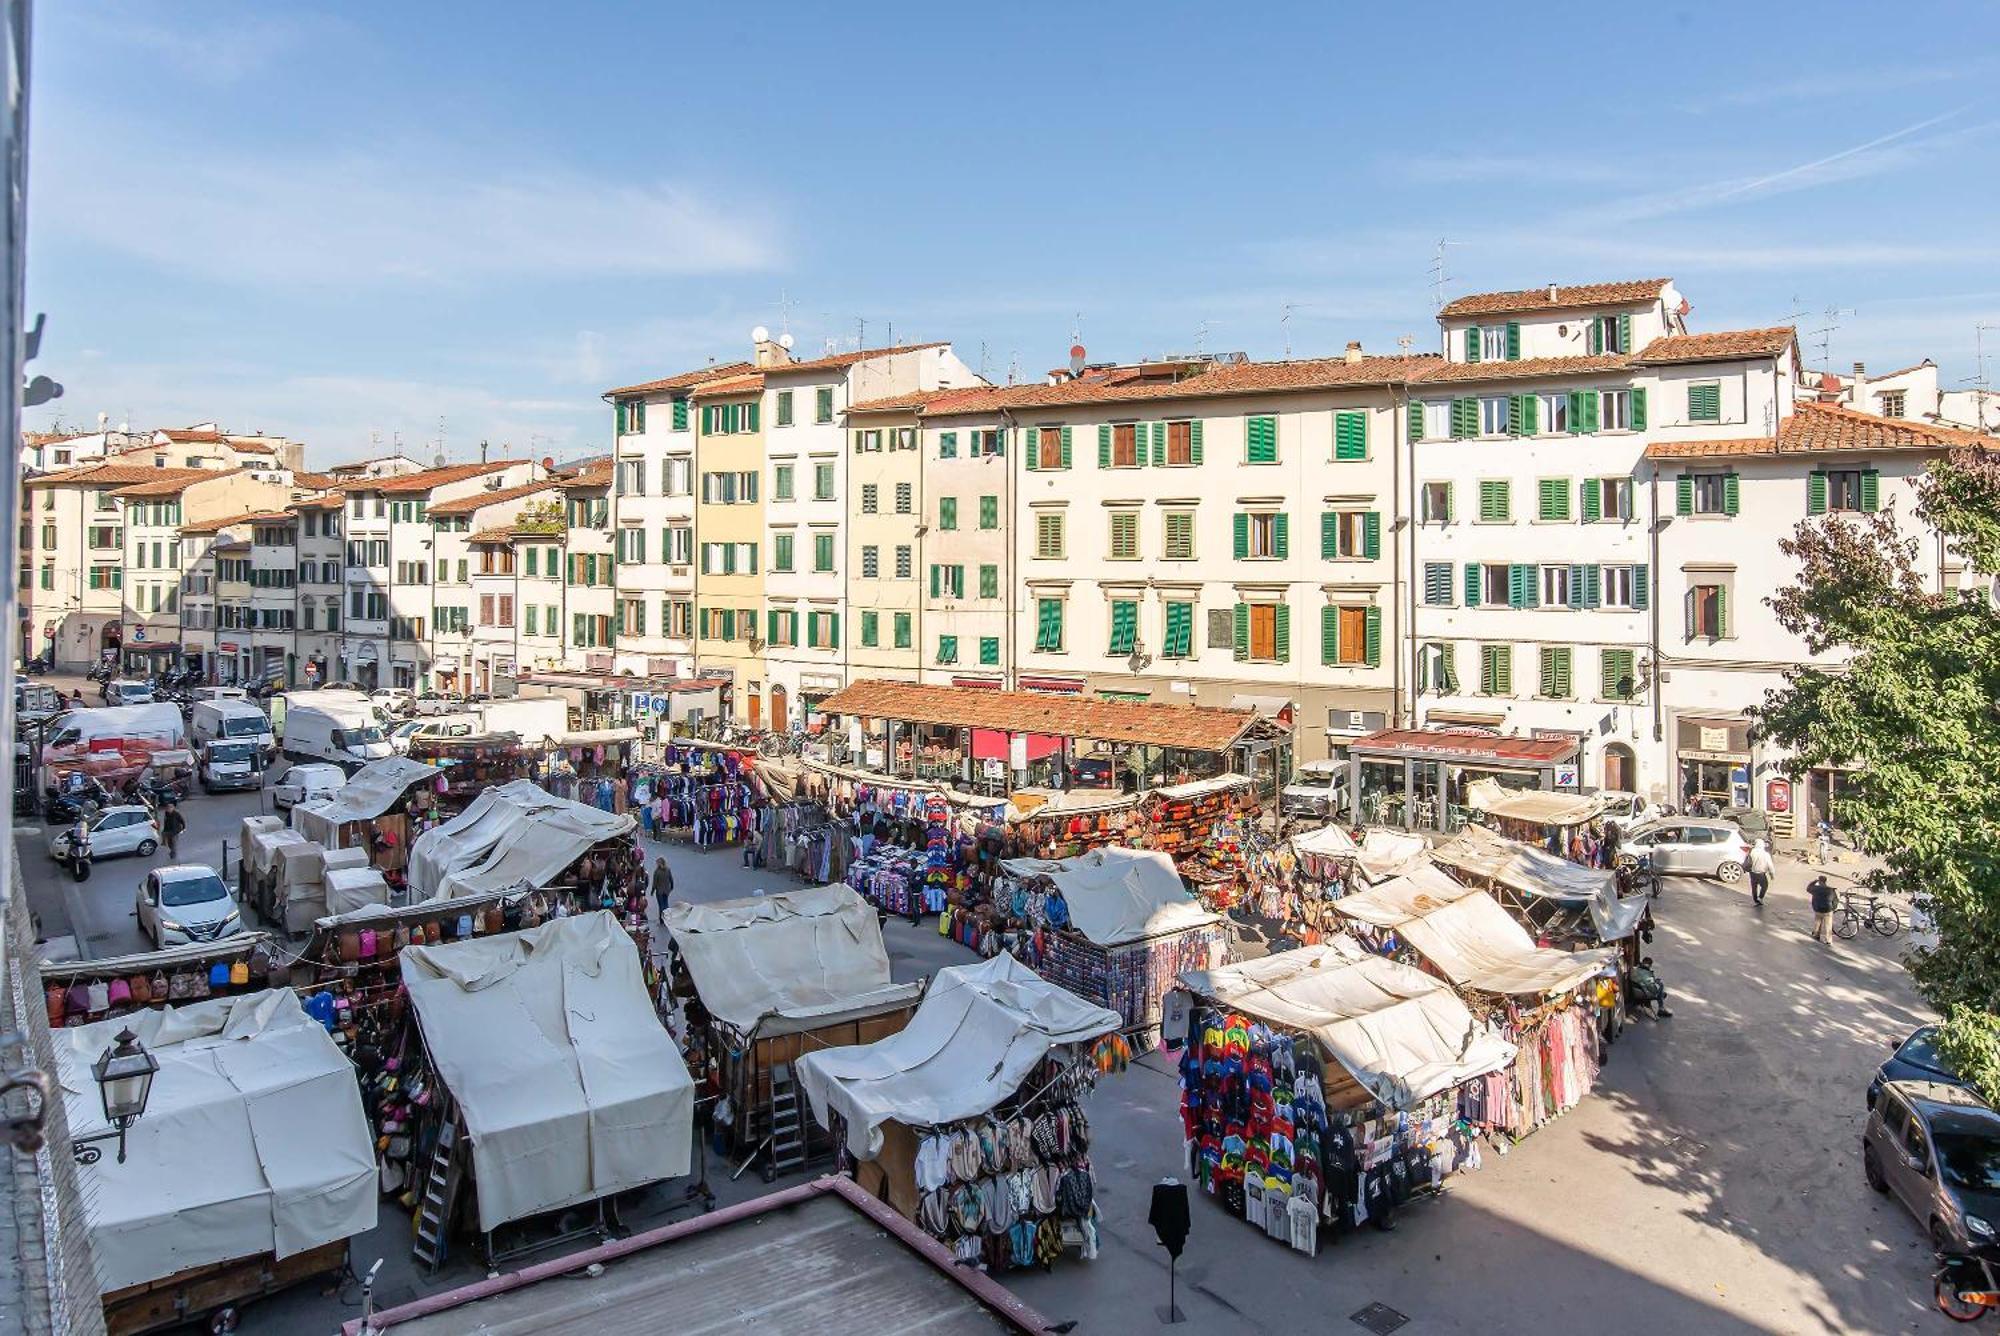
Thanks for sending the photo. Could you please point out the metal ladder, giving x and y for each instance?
(440, 1192)
(788, 1124)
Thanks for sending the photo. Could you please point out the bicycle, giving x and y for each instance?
(1881, 919)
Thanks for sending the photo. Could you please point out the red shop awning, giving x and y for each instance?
(990, 744)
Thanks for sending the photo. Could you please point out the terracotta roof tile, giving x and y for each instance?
(1195, 727)
(192, 437)
(1721, 344)
(717, 389)
(1829, 429)
(842, 361)
(219, 523)
(685, 381)
(243, 445)
(107, 475)
(1558, 299)
(928, 400)
(1222, 380)
(590, 476)
(466, 505)
(1725, 449)
(172, 482)
(331, 501)
(1451, 373)
(429, 478)
(505, 533)
(316, 481)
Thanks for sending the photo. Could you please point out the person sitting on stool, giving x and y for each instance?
(1644, 990)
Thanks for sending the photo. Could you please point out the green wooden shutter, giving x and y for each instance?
(771, 626)
(1625, 333)
(1329, 634)
(1516, 414)
(1517, 585)
(1684, 494)
(1731, 494)
(1030, 449)
(1871, 489)
(1722, 608)
(1641, 592)
(1104, 445)
(1576, 575)
(1350, 436)
(752, 409)
(1474, 576)
(1242, 632)
(1596, 335)
(1281, 535)
(1576, 398)
(1139, 450)
(1464, 419)
(1261, 440)
(1590, 400)
(1816, 493)
(1531, 414)
(1242, 523)
(1416, 420)
(680, 415)
(1592, 585)
(1371, 535)
(1472, 343)
(1638, 408)
(1371, 645)
(1284, 635)
(1194, 442)
(1513, 340)
(1065, 447)
(1329, 535)
(1593, 501)
(833, 630)
(937, 580)
(1448, 671)
(621, 418)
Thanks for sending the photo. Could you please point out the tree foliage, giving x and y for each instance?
(1915, 708)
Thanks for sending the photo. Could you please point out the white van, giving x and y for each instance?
(231, 721)
(218, 693)
(537, 720)
(441, 726)
(341, 732)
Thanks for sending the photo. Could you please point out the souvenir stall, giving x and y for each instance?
(1563, 823)
(901, 844)
(249, 1173)
(702, 794)
(1210, 829)
(1320, 1087)
(469, 766)
(556, 1085)
(1325, 866)
(595, 767)
(520, 837)
(778, 976)
(1063, 825)
(83, 992)
(1116, 927)
(381, 811)
(1560, 903)
(1545, 1001)
(970, 1120)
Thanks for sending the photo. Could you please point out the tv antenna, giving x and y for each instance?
(1405, 342)
(1826, 332)
(1440, 279)
(1201, 338)
(785, 305)
(1285, 323)
(1979, 378)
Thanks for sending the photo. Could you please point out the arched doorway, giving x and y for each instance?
(1619, 768)
(778, 717)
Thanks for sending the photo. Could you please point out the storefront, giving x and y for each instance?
(1420, 779)
(1712, 759)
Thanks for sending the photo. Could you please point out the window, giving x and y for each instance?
(1555, 587)
(1125, 446)
(1493, 342)
(1892, 403)
(903, 438)
(1437, 584)
(1606, 499)
(679, 545)
(679, 615)
(1183, 443)
(989, 512)
(533, 619)
(631, 545)
(1555, 676)
(1432, 419)
(782, 628)
(1707, 612)
(947, 649)
(1705, 401)
(781, 482)
(985, 443)
(746, 561)
(1262, 632)
(870, 498)
(902, 630)
(1495, 501)
(947, 445)
(1178, 543)
(868, 442)
(1706, 494)
(781, 553)
(989, 581)
(871, 562)
(871, 625)
(989, 651)
(947, 513)
(1554, 413)
(1124, 535)
(823, 482)
(1495, 415)
(1124, 626)
(1178, 643)
(1260, 437)
(784, 408)
(1261, 536)
(905, 564)
(1350, 635)
(1049, 452)
(823, 404)
(1494, 584)
(1609, 334)
(1552, 499)
(905, 498)
(1496, 670)
(676, 476)
(1614, 410)
(1049, 535)
(1434, 503)
(1618, 677)
(1049, 625)
(1622, 586)
(1843, 490)
(823, 552)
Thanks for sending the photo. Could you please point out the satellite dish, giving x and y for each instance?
(785, 342)
(760, 335)
(437, 460)
(1076, 359)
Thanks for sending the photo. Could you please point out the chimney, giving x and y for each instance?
(482, 452)
(768, 351)
(1354, 350)
(1552, 292)
(1860, 371)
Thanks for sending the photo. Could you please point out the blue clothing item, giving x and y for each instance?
(319, 1006)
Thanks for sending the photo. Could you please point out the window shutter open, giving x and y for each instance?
(1284, 633)
(1371, 645)
(1104, 445)
(1473, 579)
(1871, 489)
(1517, 585)
(1139, 442)
(1576, 411)
(1242, 632)
(1731, 494)
(1684, 494)
(1371, 535)
(1592, 585)
(752, 409)
(1065, 447)
(1531, 414)
(1640, 591)
(1576, 578)
(1464, 419)
(1329, 634)
(1638, 408)
(1516, 414)
(1160, 438)
(1472, 343)
(1448, 670)
(1625, 332)
(1590, 401)
(1281, 537)
(1596, 336)
(1416, 420)
(1593, 501)
(1242, 523)
(1030, 448)
(1722, 609)
(1513, 340)
(1329, 535)
(1816, 493)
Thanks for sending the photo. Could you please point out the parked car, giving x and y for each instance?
(1753, 823)
(124, 829)
(1936, 1148)
(127, 692)
(1319, 790)
(1915, 1059)
(437, 726)
(307, 783)
(1628, 809)
(396, 700)
(186, 902)
(1690, 848)
(434, 702)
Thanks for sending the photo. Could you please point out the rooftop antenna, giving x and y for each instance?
(441, 449)
(1014, 368)
(1285, 325)
(1826, 331)
(1439, 278)
(1200, 338)
(1405, 342)
(784, 312)
(1979, 379)
(860, 333)
(982, 359)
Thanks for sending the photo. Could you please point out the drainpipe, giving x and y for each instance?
(1655, 589)
(1405, 602)
(1009, 654)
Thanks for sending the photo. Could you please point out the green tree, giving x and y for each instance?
(1915, 707)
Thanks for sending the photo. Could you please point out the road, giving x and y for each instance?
(1712, 1184)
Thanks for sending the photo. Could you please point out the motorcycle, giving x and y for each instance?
(38, 665)
(76, 856)
(1966, 1286)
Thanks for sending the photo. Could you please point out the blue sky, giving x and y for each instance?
(330, 221)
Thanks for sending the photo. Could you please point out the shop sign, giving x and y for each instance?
(227, 647)
(1713, 739)
(993, 768)
(1778, 795)
(873, 758)
(642, 703)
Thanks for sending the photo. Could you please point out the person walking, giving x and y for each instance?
(1823, 900)
(172, 823)
(1761, 868)
(663, 885)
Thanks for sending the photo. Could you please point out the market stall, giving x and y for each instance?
(1420, 779)
(595, 767)
(83, 992)
(382, 809)
(1363, 1058)
(549, 1052)
(249, 1171)
(782, 975)
(1560, 902)
(471, 765)
(980, 1095)
(1116, 927)
(1562, 823)
(700, 793)
(519, 836)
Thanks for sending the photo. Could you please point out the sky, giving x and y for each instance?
(373, 224)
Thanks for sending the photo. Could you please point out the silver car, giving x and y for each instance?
(1936, 1148)
(1688, 847)
(184, 903)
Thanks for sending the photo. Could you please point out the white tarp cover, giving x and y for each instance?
(979, 1032)
(352, 888)
(1469, 938)
(253, 1140)
(1400, 899)
(1117, 895)
(1327, 842)
(1201, 788)
(1401, 1034)
(777, 964)
(516, 835)
(1389, 853)
(570, 1087)
(1537, 805)
(372, 790)
(1538, 873)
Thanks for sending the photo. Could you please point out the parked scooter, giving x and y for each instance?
(76, 854)
(1966, 1286)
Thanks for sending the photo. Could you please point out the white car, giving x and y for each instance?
(115, 830)
(307, 783)
(127, 692)
(1689, 847)
(1628, 809)
(396, 700)
(186, 902)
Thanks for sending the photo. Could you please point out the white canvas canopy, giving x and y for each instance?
(979, 1032)
(1389, 853)
(1536, 805)
(518, 835)
(1117, 895)
(1539, 874)
(352, 888)
(1470, 938)
(1327, 842)
(253, 1140)
(779, 964)
(1201, 788)
(368, 793)
(1402, 1035)
(570, 1087)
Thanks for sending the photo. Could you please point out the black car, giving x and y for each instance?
(1915, 1059)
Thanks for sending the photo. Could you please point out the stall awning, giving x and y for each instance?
(780, 964)
(989, 744)
(598, 737)
(518, 835)
(253, 1141)
(1187, 727)
(1464, 747)
(1535, 805)
(1201, 788)
(1117, 895)
(978, 1034)
(371, 790)
(570, 1087)
(1539, 874)
(1400, 899)
(1469, 938)
(1400, 1035)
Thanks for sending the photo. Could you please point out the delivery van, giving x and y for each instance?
(232, 721)
(536, 720)
(334, 727)
(231, 763)
(79, 732)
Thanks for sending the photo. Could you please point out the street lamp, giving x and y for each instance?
(124, 1073)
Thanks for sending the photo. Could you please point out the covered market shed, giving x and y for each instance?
(516, 835)
(1557, 899)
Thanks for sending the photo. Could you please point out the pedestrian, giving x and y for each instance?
(1646, 990)
(1823, 900)
(76, 697)
(663, 885)
(171, 826)
(1825, 843)
(1761, 868)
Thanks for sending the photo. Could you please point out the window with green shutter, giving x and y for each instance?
(1049, 625)
(947, 513)
(1437, 584)
(947, 445)
(1705, 401)
(1464, 419)
(1552, 499)
(989, 650)
(1619, 678)
(1179, 641)
(1513, 340)
(781, 552)
(1472, 343)
(823, 552)
(1124, 535)
(1495, 501)
(947, 651)
(1496, 670)
(902, 630)
(1350, 435)
(1555, 675)
(989, 512)
(784, 408)
(823, 404)
(871, 628)
(1815, 493)
(1124, 626)
(1415, 420)
(1261, 440)
(680, 415)
(989, 581)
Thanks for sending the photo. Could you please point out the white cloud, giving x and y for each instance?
(214, 47)
(1874, 79)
